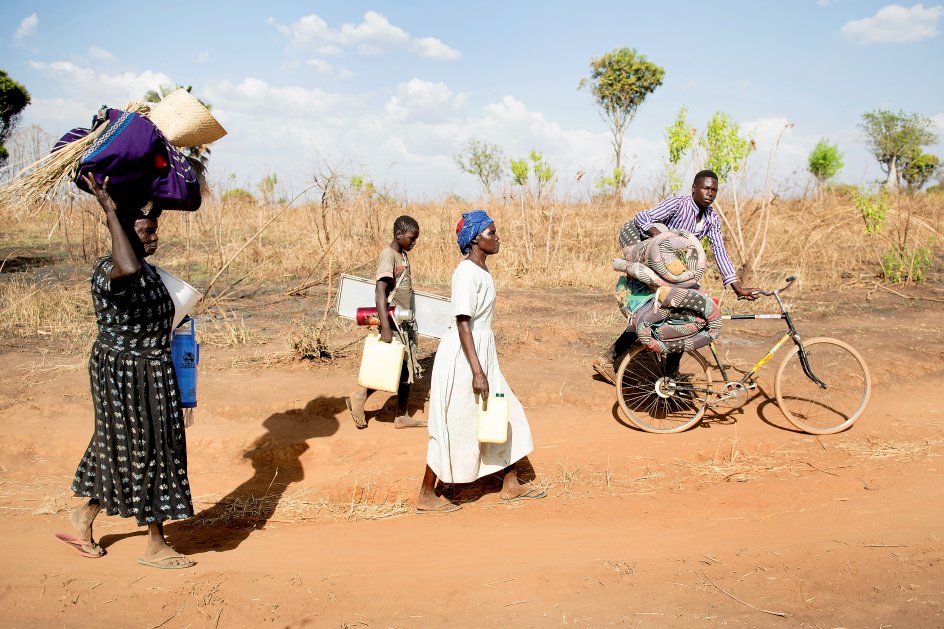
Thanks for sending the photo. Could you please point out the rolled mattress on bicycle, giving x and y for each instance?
(677, 320)
(679, 316)
(671, 258)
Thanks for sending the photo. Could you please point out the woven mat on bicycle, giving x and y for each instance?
(677, 320)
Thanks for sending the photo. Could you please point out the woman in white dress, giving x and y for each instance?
(465, 368)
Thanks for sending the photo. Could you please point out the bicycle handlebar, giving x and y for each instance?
(768, 293)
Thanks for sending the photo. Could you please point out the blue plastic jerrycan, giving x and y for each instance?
(185, 352)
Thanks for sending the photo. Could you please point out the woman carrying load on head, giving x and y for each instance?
(136, 462)
(466, 367)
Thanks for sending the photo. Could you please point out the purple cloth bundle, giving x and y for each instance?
(140, 163)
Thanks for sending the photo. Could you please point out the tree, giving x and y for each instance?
(919, 169)
(483, 160)
(679, 137)
(620, 81)
(895, 137)
(519, 172)
(13, 100)
(267, 188)
(544, 174)
(726, 153)
(725, 149)
(197, 154)
(824, 162)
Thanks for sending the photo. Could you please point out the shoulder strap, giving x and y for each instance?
(406, 265)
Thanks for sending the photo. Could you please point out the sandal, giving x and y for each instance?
(447, 507)
(535, 493)
(405, 421)
(84, 548)
(359, 420)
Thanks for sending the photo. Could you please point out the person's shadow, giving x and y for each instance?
(276, 461)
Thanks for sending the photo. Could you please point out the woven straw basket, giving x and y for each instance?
(184, 120)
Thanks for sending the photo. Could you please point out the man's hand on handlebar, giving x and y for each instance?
(753, 293)
(749, 294)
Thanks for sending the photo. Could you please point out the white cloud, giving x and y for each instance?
(100, 54)
(375, 33)
(256, 97)
(27, 27)
(433, 48)
(58, 115)
(373, 36)
(938, 120)
(320, 66)
(764, 129)
(94, 88)
(788, 159)
(309, 33)
(88, 90)
(895, 24)
(406, 139)
(422, 101)
(203, 57)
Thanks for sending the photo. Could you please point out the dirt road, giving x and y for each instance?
(306, 521)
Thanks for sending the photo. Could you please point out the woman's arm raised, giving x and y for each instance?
(125, 260)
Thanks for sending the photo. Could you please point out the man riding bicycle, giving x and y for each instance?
(692, 213)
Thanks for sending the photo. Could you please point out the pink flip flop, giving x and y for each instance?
(80, 546)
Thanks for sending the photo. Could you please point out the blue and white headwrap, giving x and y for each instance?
(472, 224)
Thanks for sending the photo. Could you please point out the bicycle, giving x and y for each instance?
(822, 385)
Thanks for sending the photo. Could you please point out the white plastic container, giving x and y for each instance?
(381, 364)
(184, 295)
(493, 418)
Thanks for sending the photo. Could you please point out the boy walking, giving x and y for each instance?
(395, 287)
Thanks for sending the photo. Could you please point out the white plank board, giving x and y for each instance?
(433, 313)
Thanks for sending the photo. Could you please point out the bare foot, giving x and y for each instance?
(431, 503)
(405, 421)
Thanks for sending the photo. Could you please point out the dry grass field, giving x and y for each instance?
(235, 244)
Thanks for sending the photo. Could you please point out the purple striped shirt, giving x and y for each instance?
(682, 213)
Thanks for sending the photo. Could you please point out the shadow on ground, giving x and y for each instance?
(276, 461)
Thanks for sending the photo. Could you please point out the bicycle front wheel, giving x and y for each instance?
(658, 397)
(822, 410)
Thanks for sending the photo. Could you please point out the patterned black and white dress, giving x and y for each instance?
(136, 461)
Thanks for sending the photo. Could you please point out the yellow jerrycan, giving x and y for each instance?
(381, 363)
(493, 418)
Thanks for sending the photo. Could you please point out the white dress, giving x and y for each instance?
(454, 452)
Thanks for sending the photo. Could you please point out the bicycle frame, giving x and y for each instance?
(790, 334)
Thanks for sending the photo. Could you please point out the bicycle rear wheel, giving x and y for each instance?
(660, 402)
(818, 410)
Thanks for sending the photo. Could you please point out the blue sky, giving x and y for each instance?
(393, 90)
